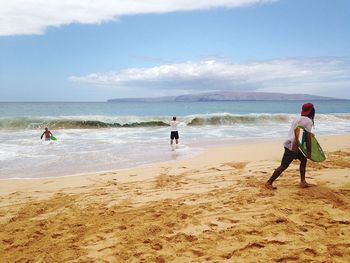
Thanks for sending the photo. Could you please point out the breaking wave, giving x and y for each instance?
(229, 119)
(96, 122)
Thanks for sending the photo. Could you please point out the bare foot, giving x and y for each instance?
(270, 187)
(305, 185)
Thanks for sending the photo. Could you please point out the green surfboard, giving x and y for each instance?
(53, 138)
(317, 154)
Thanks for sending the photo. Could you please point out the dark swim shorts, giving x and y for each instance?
(174, 135)
(289, 156)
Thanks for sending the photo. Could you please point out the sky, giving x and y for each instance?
(83, 50)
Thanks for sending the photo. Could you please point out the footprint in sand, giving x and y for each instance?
(287, 259)
(57, 235)
(227, 220)
(310, 252)
(340, 250)
(159, 259)
(8, 241)
(157, 246)
(197, 252)
(236, 165)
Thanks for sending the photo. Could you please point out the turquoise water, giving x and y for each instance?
(99, 136)
(12, 109)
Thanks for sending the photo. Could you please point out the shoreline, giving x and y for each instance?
(201, 146)
(211, 207)
(204, 158)
(197, 146)
(209, 150)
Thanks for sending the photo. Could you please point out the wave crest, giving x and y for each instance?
(35, 123)
(96, 122)
(238, 119)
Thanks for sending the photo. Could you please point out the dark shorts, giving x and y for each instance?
(289, 156)
(174, 135)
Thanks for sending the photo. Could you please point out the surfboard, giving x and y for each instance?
(317, 154)
(53, 138)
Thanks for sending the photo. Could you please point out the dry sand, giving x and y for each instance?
(211, 208)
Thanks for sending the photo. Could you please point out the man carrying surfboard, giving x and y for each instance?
(291, 150)
(47, 134)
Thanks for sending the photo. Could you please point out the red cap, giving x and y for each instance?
(306, 109)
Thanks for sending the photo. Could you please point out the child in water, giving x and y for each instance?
(47, 134)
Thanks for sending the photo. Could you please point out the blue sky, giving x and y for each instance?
(62, 52)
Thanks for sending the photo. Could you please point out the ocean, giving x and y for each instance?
(102, 136)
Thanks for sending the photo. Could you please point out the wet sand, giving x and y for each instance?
(210, 208)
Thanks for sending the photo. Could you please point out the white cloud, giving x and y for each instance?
(322, 76)
(35, 16)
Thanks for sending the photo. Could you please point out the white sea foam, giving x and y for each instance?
(94, 148)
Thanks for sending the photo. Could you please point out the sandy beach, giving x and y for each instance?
(210, 208)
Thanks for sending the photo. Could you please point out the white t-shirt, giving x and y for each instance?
(173, 125)
(300, 120)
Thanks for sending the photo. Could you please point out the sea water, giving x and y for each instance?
(100, 136)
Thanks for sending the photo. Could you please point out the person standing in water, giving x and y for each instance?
(174, 134)
(47, 134)
(291, 150)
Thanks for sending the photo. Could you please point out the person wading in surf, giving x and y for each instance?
(47, 134)
(291, 150)
(174, 134)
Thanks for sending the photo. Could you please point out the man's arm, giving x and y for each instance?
(42, 135)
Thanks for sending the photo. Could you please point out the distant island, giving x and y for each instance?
(227, 96)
